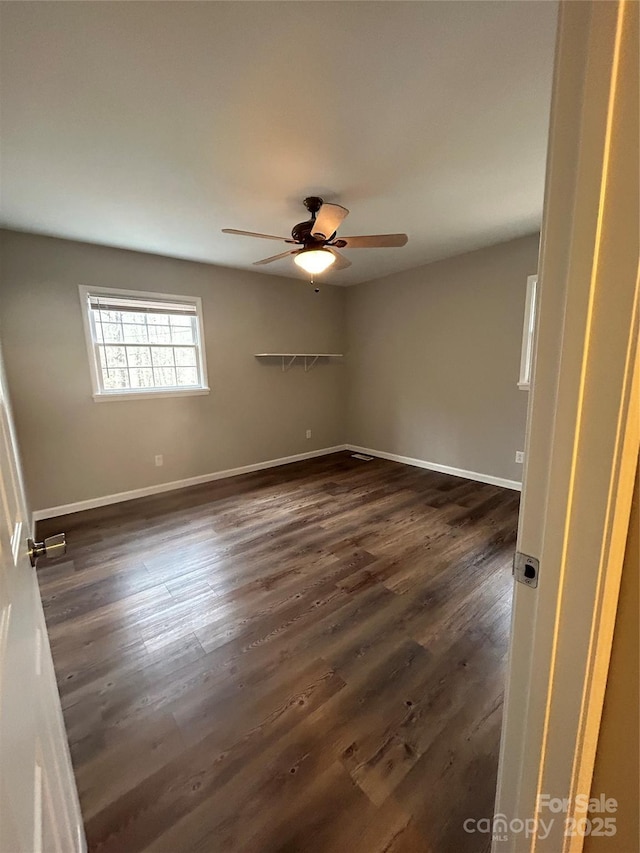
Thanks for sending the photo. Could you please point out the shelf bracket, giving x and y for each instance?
(308, 367)
(286, 367)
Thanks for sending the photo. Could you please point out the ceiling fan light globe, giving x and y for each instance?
(314, 261)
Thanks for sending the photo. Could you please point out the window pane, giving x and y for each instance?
(115, 379)
(159, 334)
(139, 356)
(185, 356)
(141, 377)
(182, 335)
(180, 320)
(187, 375)
(142, 350)
(162, 356)
(135, 334)
(109, 316)
(116, 357)
(164, 376)
(112, 333)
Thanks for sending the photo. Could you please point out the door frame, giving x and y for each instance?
(583, 431)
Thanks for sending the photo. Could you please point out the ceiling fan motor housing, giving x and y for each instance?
(301, 232)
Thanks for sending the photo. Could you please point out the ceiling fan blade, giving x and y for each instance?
(276, 257)
(341, 262)
(328, 220)
(372, 241)
(254, 234)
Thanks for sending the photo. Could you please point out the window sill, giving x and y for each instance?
(106, 396)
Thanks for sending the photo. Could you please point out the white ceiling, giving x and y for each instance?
(153, 125)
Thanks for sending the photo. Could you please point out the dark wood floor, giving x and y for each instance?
(308, 659)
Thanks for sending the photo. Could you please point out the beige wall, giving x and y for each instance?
(434, 357)
(75, 449)
(617, 768)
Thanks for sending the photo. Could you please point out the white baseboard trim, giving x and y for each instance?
(442, 469)
(105, 500)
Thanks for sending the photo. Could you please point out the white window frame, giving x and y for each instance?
(102, 395)
(528, 330)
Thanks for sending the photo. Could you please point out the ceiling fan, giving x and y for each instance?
(317, 239)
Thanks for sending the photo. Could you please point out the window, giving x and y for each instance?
(143, 344)
(526, 356)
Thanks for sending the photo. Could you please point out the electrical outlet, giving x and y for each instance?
(308, 433)
(519, 455)
(159, 460)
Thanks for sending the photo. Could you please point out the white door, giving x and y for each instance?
(39, 809)
(583, 436)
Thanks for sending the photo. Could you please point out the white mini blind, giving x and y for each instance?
(135, 304)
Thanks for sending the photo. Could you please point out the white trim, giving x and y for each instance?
(442, 469)
(146, 491)
(98, 393)
(583, 432)
(105, 396)
(528, 332)
(37, 806)
(159, 488)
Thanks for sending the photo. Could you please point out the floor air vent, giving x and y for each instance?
(362, 457)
